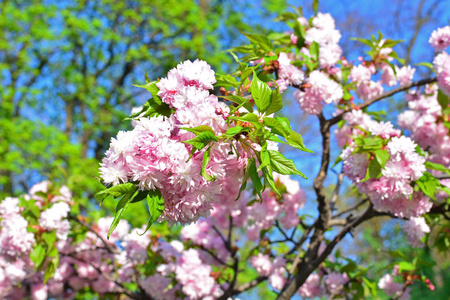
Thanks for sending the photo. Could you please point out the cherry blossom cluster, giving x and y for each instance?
(440, 40)
(392, 287)
(153, 156)
(326, 282)
(321, 88)
(18, 236)
(392, 192)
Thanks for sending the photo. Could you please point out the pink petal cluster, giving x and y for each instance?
(392, 192)
(415, 229)
(322, 90)
(153, 154)
(312, 287)
(288, 72)
(195, 276)
(324, 32)
(392, 288)
(335, 281)
(405, 74)
(442, 66)
(262, 264)
(53, 218)
(440, 38)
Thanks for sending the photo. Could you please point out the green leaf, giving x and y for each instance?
(443, 99)
(121, 207)
(315, 6)
(276, 127)
(282, 165)
(373, 170)
(276, 104)
(205, 162)
(265, 157)
(141, 195)
(260, 40)
(201, 140)
(382, 156)
(295, 140)
(51, 268)
(226, 81)
(261, 93)
(199, 129)
(250, 117)
(438, 167)
(244, 180)
(268, 179)
(156, 109)
(153, 89)
(231, 132)
(428, 184)
(364, 41)
(255, 178)
(287, 16)
(38, 255)
(426, 64)
(241, 101)
(49, 238)
(405, 266)
(314, 50)
(156, 205)
(119, 190)
(300, 32)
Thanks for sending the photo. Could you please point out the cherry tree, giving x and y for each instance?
(204, 153)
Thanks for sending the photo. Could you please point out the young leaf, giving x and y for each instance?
(244, 180)
(268, 179)
(438, 167)
(300, 32)
(255, 178)
(231, 132)
(155, 109)
(282, 165)
(153, 89)
(382, 156)
(156, 206)
(315, 6)
(121, 207)
(250, 117)
(296, 140)
(119, 190)
(199, 129)
(314, 51)
(261, 93)
(265, 158)
(38, 255)
(276, 104)
(205, 162)
(260, 40)
(276, 127)
(443, 99)
(226, 81)
(201, 140)
(241, 101)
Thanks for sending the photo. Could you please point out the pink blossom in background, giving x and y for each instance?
(415, 229)
(440, 38)
(322, 90)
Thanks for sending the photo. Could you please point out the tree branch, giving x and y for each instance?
(387, 94)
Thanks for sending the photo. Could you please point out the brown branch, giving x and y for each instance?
(108, 246)
(387, 94)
